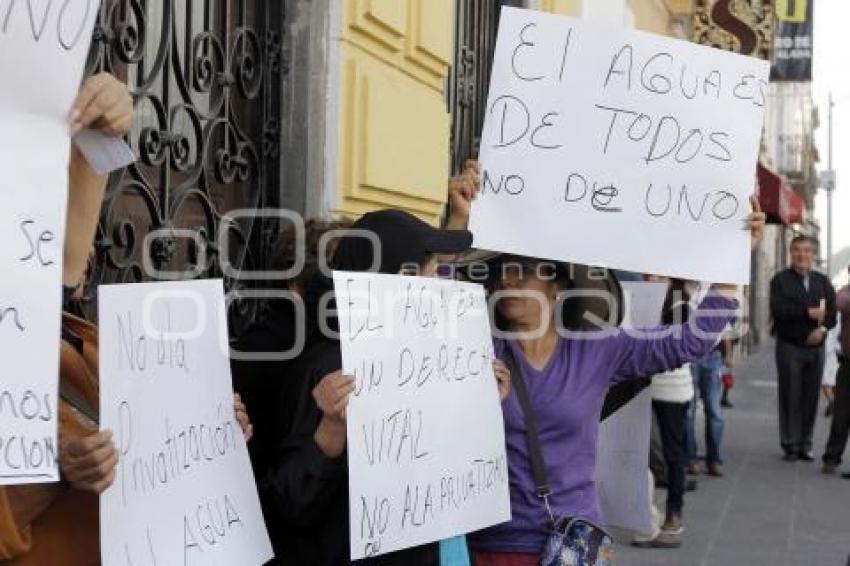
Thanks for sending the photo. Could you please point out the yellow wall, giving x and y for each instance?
(393, 146)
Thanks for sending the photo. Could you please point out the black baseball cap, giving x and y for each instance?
(401, 238)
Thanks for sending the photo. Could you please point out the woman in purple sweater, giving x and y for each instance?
(567, 378)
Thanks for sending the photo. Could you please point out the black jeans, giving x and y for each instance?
(671, 424)
(799, 377)
(840, 427)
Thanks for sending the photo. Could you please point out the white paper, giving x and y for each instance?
(426, 446)
(565, 177)
(644, 301)
(42, 51)
(184, 492)
(104, 153)
(622, 458)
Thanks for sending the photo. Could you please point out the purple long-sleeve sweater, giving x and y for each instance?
(567, 396)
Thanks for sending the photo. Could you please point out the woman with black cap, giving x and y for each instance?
(560, 380)
(310, 478)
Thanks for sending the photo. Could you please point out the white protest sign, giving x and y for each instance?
(622, 457)
(622, 463)
(426, 446)
(617, 148)
(184, 492)
(43, 46)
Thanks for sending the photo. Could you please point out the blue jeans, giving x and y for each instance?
(709, 386)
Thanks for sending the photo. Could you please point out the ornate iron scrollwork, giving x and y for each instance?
(206, 77)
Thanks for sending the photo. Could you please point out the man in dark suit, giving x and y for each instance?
(802, 303)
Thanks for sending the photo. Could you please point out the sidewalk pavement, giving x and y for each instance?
(764, 512)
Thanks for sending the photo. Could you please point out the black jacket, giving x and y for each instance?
(790, 302)
(261, 382)
(311, 490)
(264, 386)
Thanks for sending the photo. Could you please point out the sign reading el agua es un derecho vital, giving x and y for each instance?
(184, 492)
(617, 148)
(43, 46)
(426, 446)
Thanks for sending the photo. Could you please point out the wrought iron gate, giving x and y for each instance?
(476, 24)
(206, 76)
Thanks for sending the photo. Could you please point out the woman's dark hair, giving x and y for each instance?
(575, 308)
(497, 268)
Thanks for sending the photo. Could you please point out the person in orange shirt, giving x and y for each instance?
(86, 457)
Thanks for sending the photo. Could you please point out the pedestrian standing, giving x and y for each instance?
(708, 382)
(708, 386)
(802, 304)
(840, 427)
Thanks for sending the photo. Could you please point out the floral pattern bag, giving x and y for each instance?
(576, 542)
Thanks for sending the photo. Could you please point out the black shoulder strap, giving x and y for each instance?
(538, 466)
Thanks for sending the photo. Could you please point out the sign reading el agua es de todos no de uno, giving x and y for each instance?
(43, 46)
(426, 446)
(618, 148)
(184, 492)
